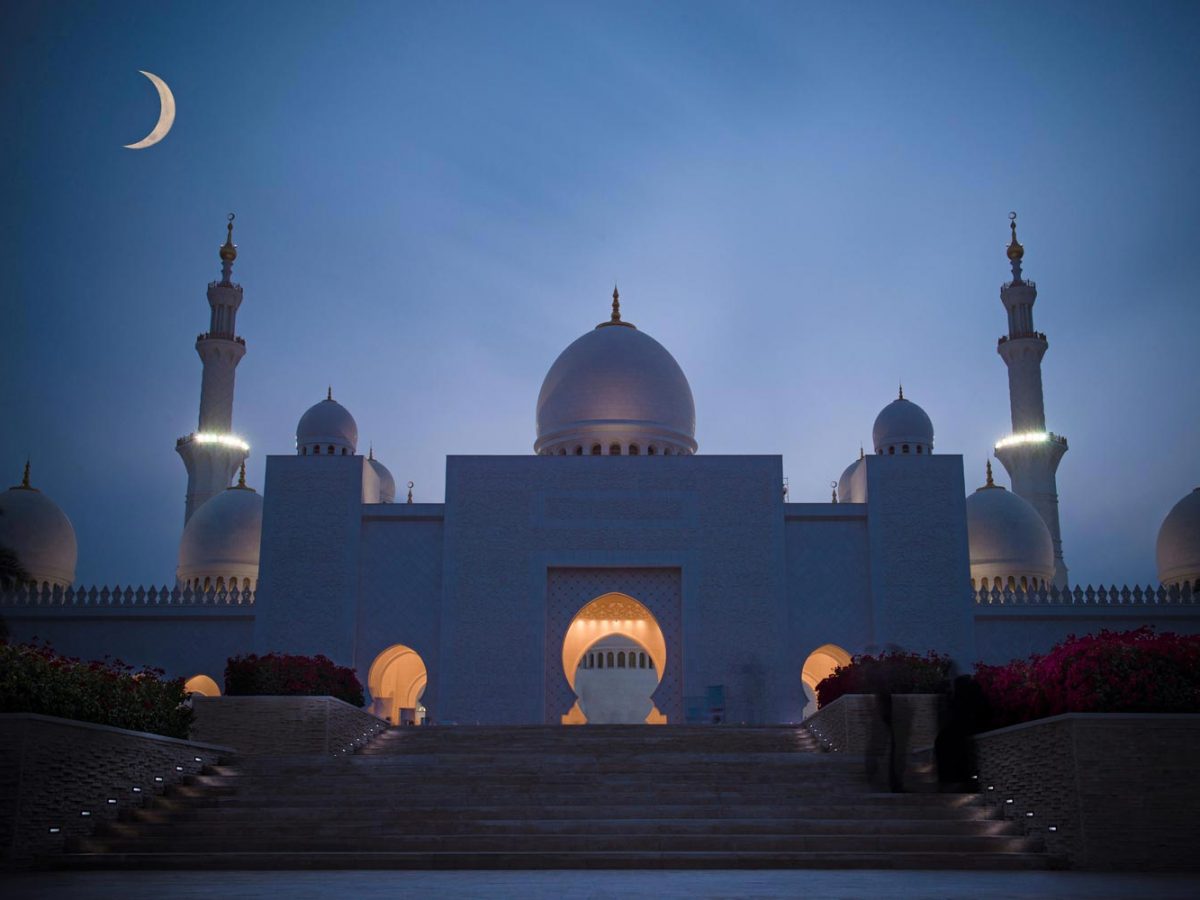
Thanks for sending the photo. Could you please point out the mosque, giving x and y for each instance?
(615, 574)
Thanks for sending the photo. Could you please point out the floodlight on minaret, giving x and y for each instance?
(213, 453)
(1031, 454)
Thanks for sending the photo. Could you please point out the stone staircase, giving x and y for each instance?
(553, 797)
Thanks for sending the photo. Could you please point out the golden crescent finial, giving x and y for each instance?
(242, 475)
(990, 483)
(329, 392)
(229, 248)
(25, 478)
(1015, 250)
(410, 487)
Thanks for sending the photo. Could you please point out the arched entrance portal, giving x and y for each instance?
(617, 627)
(820, 664)
(202, 685)
(396, 681)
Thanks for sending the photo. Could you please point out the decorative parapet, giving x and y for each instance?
(123, 597)
(1185, 595)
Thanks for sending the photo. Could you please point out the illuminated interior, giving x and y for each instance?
(396, 682)
(820, 664)
(202, 685)
(611, 614)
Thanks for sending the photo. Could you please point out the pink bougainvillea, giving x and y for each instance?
(279, 673)
(1129, 671)
(894, 671)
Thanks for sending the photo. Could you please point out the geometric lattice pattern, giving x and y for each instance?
(657, 589)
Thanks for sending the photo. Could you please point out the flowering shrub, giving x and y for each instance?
(278, 673)
(895, 671)
(35, 679)
(1129, 671)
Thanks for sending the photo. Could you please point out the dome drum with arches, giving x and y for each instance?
(1009, 543)
(615, 391)
(902, 427)
(327, 429)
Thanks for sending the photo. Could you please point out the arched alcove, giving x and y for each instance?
(396, 681)
(607, 615)
(820, 664)
(202, 685)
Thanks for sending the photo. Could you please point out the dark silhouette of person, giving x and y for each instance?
(954, 748)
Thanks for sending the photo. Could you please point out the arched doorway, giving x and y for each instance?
(614, 625)
(396, 681)
(820, 664)
(202, 685)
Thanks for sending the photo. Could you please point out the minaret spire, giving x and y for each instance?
(212, 453)
(1031, 454)
(228, 253)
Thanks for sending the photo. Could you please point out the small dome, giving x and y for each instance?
(221, 541)
(327, 429)
(852, 486)
(1007, 539)
(387, 484)
(615, 387)
(1178, 548)
(39, 533)
(902, 427)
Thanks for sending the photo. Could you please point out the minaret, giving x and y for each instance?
(213, 453)
(1031, 454)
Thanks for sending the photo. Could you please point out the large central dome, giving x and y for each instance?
(615, 391)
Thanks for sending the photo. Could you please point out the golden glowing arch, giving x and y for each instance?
(202, 685)
(609, 614)
(396, 681)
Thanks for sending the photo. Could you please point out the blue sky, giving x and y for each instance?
(805, 203)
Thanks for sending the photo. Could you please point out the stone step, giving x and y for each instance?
(451, 859)
(186, 826)
(268, 840)
(220, 807)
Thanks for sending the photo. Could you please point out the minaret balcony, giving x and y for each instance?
(209, 336)
(1024, 282)
(1038, 335)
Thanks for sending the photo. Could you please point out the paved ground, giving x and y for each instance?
(574, 885)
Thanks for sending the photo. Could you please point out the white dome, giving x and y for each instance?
(902, 423)
(39, 533)
(852, 486)
(387, 484)
(615, 386)
(325, 425)
(1007, 538)
(1178, 548)
(221, 540)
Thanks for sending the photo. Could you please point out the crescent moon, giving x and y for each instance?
(166, 115)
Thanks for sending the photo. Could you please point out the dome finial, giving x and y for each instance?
(615, 318)
(833, 484)
(370, 451)
(990, 483)
(25, 477)
(242, 475)
(329, 392)
(901, 397)
(861, 453)
(410, 487)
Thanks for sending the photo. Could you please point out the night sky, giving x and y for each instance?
(805, 203)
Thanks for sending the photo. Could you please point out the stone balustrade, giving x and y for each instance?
(1184, 595)
(94, 596)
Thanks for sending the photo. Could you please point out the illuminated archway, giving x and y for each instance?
(202, 685)
(607, 615)
(820, 664)
(396, 681)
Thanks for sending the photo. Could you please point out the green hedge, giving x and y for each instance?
(35, 679)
